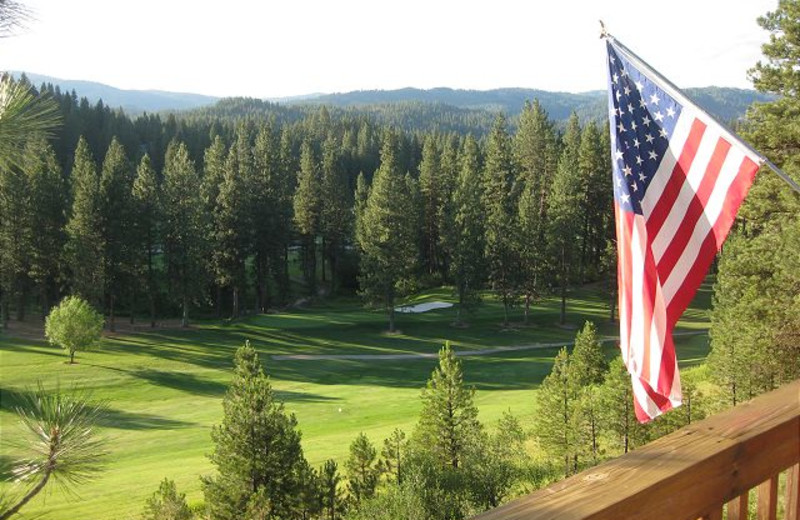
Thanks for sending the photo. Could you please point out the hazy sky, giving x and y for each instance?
(274, 48)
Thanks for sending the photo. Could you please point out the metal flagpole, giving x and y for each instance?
(677, 93)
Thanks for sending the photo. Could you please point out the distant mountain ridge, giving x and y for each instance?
(132, 101)
(728, 104)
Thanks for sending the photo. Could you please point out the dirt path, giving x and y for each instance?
(434, 355)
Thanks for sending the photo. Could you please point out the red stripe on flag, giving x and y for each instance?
(661, 402)
(694, 211)
(713, 242)
(663, 206)
(624, 269)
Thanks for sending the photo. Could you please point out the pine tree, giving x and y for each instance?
(430, 187)
(231, 222)
(393, 456)
(563, 211)
(48, 204)
(84, 250)
(332, 500)
(387, 233)
(616, 404)
(147, 224)
(448, 422)
(467, 246)
(256, 448)
(307, 212)
(337, 206)
(556, 421)
(184, 245)
(588, 363)
(116, 216)
(16, 238)
(535, 149)
(213, 175)
(500, 203)
(596, 205)
(362, 471)
(754, 320)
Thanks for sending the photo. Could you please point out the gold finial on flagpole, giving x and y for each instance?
(603, 32)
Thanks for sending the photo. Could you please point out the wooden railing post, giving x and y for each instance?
(768, 499)
(793, 493)
(737, 508)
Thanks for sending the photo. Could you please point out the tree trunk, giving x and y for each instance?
(235, 302)
(23, 297)
(34, 491)
(4, 310)
(133, 304)
(527, 307)
(324, 252)
(45, 300)
(151, 287)
(72, 357)
(219, 302)
(185, 313)
(112, 325)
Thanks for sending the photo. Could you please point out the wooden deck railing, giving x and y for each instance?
(692, 473)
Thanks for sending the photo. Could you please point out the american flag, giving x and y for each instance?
(679, 178)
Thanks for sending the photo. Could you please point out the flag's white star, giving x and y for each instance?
(646, 121)
(649, 138)
(621, 112)
(615, 78)
(642, 104)
(612, 59)
(636, 142)
(627, 171)
(626, 198)
(621, 127)
(653, 155)
(658, 116)
(619, 181)
(639, 160)
(654, 99)
(670, 112)
(634, 187)
(642, 177)
(662, 133)
(630, 107)
(618, 155)
(639, 86)
(633, 125)
(618, 95)
(624, 73)
(627, 90)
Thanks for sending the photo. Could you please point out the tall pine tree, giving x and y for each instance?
(386, 233)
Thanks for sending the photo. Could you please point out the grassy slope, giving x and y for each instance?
(164, 388)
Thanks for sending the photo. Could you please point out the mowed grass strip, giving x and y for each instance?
(164, 388)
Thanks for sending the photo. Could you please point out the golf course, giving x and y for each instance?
(331, 363)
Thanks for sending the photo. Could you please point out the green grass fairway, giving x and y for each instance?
(164, 388)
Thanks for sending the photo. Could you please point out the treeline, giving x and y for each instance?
(157, 218)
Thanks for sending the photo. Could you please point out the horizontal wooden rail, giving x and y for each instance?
(688, 474)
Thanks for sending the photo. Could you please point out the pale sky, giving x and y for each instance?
(274, 48)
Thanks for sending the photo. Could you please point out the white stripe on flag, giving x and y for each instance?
(664, 172)
(638, 245)
(694, 176)
(730, 168)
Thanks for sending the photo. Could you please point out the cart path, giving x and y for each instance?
(435, 355)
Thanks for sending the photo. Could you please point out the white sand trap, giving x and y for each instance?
(423, 307)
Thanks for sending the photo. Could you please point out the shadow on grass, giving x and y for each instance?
(122, 420)
(11, 400)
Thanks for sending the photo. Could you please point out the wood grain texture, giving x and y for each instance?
(737, 508)
(768, 499)
(793, 493)
(682, 476)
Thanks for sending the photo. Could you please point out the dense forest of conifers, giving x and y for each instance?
(251, 209)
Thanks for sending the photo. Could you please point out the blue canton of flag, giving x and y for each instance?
(642, 120)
